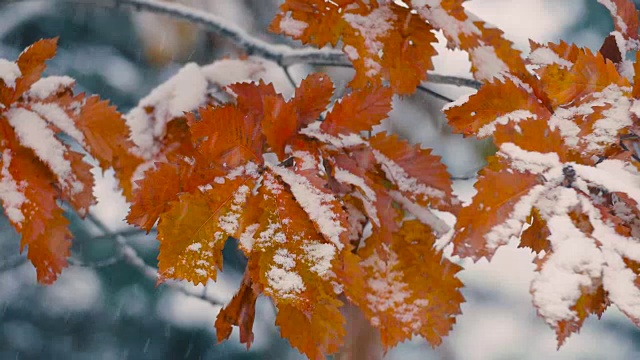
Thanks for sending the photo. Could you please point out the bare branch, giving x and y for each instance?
(434, 93)
(453, 80)
(131, 257)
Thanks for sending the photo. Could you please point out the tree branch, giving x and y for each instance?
(282, 54)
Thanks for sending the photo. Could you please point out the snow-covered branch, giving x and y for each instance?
(282, 54)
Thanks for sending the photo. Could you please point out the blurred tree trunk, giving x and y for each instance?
(362, 340)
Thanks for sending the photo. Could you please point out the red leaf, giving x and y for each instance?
(358, 111)
(240, 312)
(312, 97)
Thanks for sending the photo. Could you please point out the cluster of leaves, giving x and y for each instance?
(37, 169)
(325, 211)
(387, 41)
(298, 194)
(564, 167)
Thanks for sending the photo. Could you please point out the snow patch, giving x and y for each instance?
(49, 85)
(11, 193)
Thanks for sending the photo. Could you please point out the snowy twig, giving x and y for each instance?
(453, 80)
(282, 54)
(129, 255)
(96, 264)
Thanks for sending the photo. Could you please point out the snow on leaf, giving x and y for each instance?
(384, 41)
(158, 126)
(500, 196)
(39, 168)
(625, 20)
(376, 201)
(32, 63)
(9, 72)
(33, 132)
(495, 103)
(296, 196)
(11, 193)
(418, 175)
(543, 55)
(192, 233)
(490, 53)
(49, 86)
(410, 290)
(314, 130)
(322, 207)
(583, 213)
(183, 92)
(590, 73)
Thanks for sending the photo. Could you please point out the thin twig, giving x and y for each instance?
(131, 257)
(126, 233)
(288, 75)
(96, 264)
(282, 54)
(434, 93)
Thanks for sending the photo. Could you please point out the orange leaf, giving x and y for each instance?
(43, 225)
(228, 135)
(32, 64)
(408, 51)
(39, 169)
(315, 333)
(106, 135)
(590, 73)
(410, 289)
(312, 97)
(358, 111)
(240, 312)
(384, 41)
(536, 236)
(418, 175)
(280, 123)
(193, 232)
(250, 96)
(161, 186)
(314, 22)
(498, 192)
(495, 103)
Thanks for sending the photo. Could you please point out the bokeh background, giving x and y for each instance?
(113, 312)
